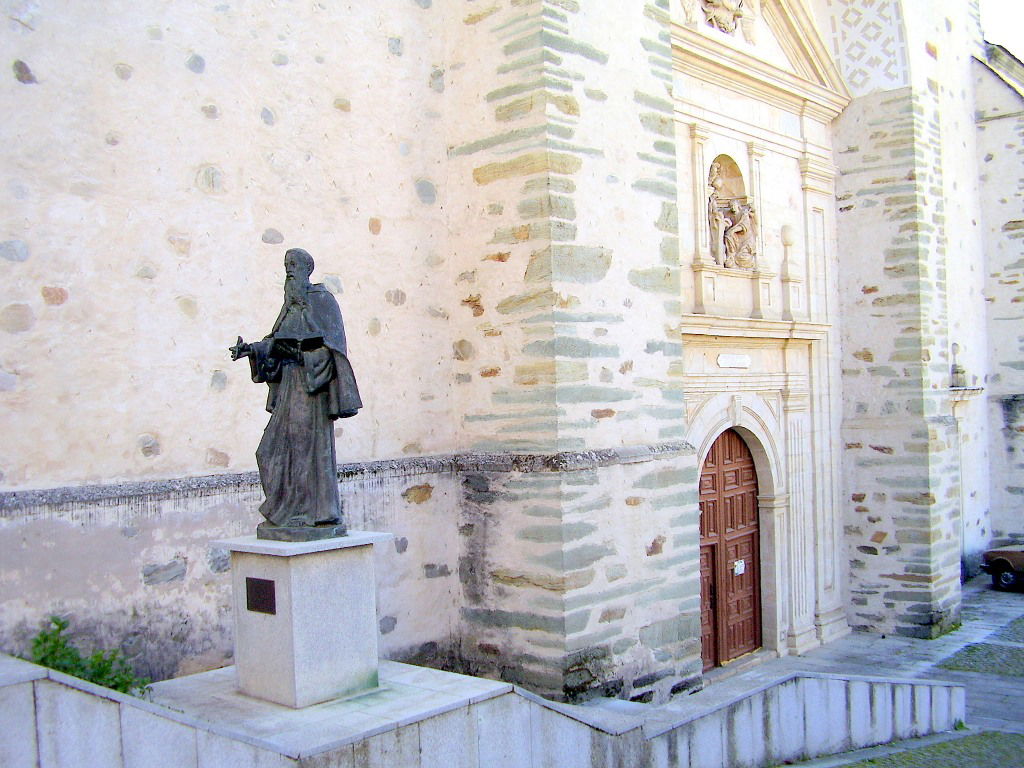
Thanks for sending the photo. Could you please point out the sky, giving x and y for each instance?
(1003, 23)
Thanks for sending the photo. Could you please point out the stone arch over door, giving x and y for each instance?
(730, 562)
(757, 424)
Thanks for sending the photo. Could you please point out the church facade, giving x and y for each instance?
(683, 329)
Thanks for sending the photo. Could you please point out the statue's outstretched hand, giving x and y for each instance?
(241, 349)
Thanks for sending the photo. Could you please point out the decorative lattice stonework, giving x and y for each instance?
(869, 44)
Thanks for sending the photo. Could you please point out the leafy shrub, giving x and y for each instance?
(50, 648)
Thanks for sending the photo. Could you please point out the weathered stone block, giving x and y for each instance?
(76, 728)
(148, 741)
(221, 752)
(503, 727)
(450, 740)
(18, 747)
(557, 741)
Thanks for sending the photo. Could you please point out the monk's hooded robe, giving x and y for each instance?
(304, 361)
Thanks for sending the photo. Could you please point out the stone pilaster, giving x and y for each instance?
(577, 586)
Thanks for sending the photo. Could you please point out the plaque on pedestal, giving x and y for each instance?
(305, 617)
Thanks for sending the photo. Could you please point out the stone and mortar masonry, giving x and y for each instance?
(563, 572)
(901, 479)
(510, 276)
(911, 286)
(999, 85)
(157, 163)
(504, 248)
(942, 50)
(577, 581)
(573, 347)
(131, 565)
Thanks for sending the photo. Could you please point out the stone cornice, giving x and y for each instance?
(1005, 66)
(797, 34)
(817, 175)
(751, 328)
(562, 461)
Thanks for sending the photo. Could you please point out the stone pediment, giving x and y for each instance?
(770, 49)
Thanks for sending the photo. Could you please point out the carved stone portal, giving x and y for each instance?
(732, 222)
(723, 14)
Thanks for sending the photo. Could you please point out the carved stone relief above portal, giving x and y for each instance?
(723, 14)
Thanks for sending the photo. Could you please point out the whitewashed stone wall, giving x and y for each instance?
(490, 191)
(157, 163)
(999, 82)
(911, 282)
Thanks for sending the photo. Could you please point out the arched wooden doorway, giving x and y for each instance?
(730, 568)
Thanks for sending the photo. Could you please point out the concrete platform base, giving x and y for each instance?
(406, 695)
(305, 617)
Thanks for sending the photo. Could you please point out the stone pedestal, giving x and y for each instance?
(305, 617)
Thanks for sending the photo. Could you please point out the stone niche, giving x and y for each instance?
(728, 279)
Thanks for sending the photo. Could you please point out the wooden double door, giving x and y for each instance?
(730, 568)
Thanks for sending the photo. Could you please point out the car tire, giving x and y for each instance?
(1004, 579)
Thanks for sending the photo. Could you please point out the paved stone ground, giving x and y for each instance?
(988, 749)
(986, 655)
(987, 658)
(1012, 633)
(994, 699)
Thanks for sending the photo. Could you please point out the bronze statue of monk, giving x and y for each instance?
(304, 362)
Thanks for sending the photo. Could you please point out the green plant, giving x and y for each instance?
(50, 648)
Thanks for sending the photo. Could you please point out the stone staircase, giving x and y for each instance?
(420, 718)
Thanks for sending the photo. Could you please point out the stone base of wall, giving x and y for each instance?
(574, 574)
(581, 576)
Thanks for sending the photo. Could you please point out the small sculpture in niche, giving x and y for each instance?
(304, 362)
(723, 14)
(732, 220)
(716, 218)
(741, 236)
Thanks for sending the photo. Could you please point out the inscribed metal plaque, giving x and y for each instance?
(260, 596)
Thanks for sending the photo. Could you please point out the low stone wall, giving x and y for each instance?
(806, 716)
(573, 573)
(62, 722)
(132, 566)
